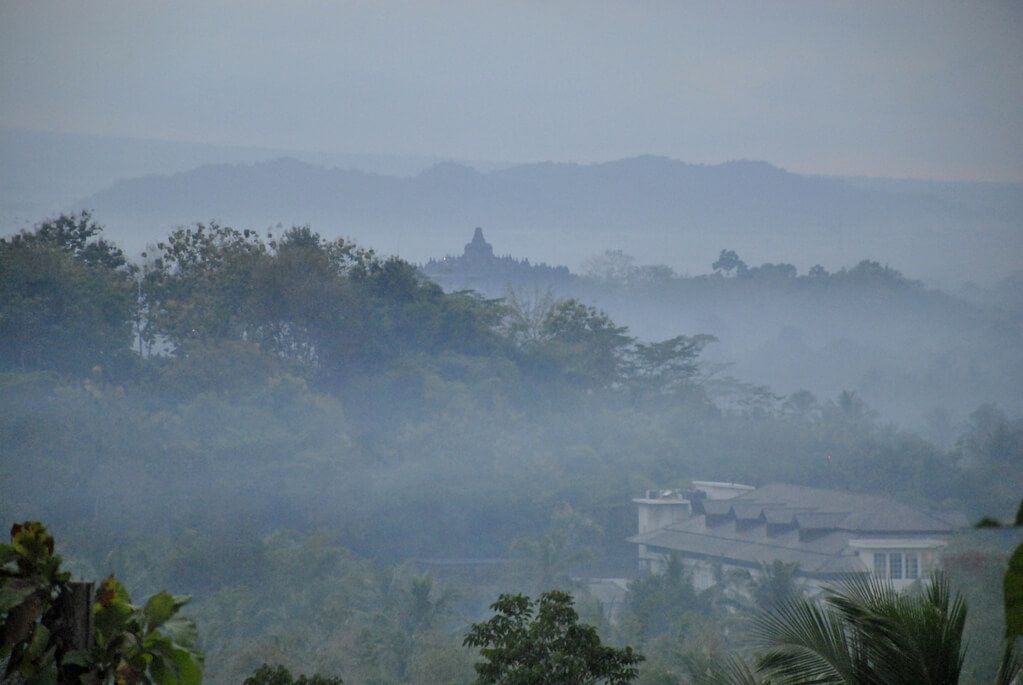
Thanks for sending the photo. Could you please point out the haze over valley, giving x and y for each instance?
(511, 344)
(662, 210)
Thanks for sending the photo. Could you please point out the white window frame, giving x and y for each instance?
(895, 562)
(911, 560)
(881, 564)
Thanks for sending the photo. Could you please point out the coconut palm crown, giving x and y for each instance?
(866, 633)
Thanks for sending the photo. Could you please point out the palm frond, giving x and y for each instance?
(908, 637)
(804, 642)
(866, 632)
(1010, 667)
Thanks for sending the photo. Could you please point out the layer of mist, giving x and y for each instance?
(664, 210)
(306, 436)
(921, 356)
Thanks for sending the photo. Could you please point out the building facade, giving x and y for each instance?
(829, 534)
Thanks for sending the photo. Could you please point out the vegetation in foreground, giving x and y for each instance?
(47, 638)
(537, 642)
(861, 633)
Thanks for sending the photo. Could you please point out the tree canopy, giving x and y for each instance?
(67, 299)
(542, 642)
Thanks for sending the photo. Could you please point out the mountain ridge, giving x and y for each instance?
(660, 209)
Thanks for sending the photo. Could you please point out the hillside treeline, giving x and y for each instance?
(237, 411)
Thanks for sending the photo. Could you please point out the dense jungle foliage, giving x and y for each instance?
(300, 433)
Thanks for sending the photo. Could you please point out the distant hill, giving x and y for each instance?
(658, 209)
(43, 172)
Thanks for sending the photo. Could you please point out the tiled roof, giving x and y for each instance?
(823, 522)
(864, 513)
(780, 515)
(747, 511)
(717, 507)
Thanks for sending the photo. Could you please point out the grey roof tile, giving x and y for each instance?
(832, 517)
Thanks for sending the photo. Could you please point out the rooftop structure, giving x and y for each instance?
(828, 533)
(478, 249)
(479, 269)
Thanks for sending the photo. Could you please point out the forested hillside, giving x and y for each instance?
(924, 357)
(288, 427)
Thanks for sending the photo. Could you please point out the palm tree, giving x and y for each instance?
(867, 633)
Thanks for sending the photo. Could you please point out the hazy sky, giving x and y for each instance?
(927, 89)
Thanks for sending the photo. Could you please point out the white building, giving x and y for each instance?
(828, 533)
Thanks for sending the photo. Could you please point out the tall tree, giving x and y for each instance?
(542, 642)
(728, 261)
(67, 299)
(200, 286)
(670, 365)
(589, 347)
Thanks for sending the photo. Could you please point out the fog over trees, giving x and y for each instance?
(239, 404)
(526, 344)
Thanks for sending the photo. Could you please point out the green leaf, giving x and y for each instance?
(169, 663)
(40, 639)
(161, 673)
(13, 593)
(112, 609)
(189, 667)
(158, 609)
(32, 541)
(7, 554)
(158, 644)
(111, 619)
(77, 657)
(182, 630)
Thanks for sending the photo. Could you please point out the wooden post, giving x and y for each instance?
(76, 612)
